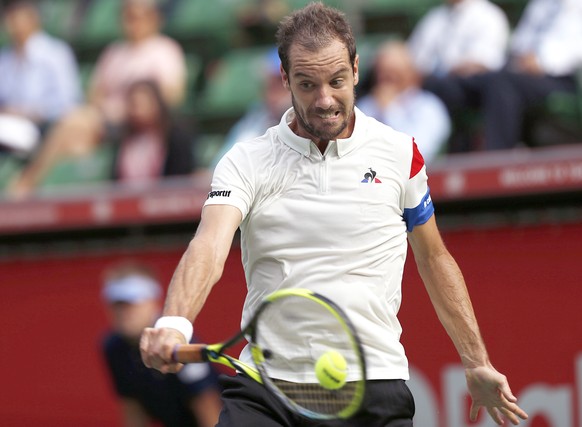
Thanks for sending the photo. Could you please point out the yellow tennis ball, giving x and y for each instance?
(331, 370)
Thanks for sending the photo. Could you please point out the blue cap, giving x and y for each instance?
(131, 289)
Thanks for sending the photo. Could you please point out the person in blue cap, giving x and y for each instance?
(132, 297)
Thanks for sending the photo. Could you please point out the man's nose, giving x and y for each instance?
(324, 98)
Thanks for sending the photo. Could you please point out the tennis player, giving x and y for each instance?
(327, 200)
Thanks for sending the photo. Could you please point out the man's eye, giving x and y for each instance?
(337, 82)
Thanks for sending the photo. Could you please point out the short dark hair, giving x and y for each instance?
(314, 27)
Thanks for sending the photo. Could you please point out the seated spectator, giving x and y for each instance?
(457, 39)
(460, 37)
(151, 145)
(39, 79)
(132, 297)
(276, 99)
(144, 54)
(397, 99)
(544, 56)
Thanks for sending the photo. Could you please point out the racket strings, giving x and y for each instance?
(315, 398)
(291, 334)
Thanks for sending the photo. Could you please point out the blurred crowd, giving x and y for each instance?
(464, 78)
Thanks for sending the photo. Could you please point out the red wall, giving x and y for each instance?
(524, 282)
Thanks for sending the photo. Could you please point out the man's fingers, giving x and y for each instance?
(512, 412)
(474, 411)
(496, 415)
(508, 413)
(510, 408)
(506, 392)
(144, 346)
(157, 346)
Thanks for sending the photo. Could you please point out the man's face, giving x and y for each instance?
(20, 23)
(394, 67)
(139, 21)
(322, 86)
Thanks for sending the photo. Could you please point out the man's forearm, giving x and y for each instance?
(450, 298)
(195, 275)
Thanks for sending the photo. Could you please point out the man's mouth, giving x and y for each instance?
(329, 115)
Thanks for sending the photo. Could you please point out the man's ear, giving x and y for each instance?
(284, 77)
(356, 70)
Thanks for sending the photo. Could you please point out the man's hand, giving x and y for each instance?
(490, 389)
(527, 64)
(156, 347)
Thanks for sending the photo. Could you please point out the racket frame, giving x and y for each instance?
(347, 325)
(197, 353)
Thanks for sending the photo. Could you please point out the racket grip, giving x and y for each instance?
(189, 353)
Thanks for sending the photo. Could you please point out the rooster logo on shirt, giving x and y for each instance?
(370, 177)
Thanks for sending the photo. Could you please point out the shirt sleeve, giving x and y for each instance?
(418, 207)
(198, 377)
(170, 69)
(232, 182)
(195, 378)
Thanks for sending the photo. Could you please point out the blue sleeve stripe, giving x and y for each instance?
(419, 214)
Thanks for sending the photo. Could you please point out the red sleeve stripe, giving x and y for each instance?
(417, 160)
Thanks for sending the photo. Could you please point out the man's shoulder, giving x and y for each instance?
(164, 43)
(49, 44)
(258, 144)
(486, 9)
(379, 130)
(436, 13)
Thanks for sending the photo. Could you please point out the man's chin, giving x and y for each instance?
(328, 133)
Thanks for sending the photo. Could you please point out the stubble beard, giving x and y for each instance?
(323, 133)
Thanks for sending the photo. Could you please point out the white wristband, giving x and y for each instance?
(181, 324)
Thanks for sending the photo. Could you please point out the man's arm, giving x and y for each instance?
(199, 269)
(448, 293)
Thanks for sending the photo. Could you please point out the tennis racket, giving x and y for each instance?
(289, 332)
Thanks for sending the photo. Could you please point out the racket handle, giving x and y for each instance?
(190, 353)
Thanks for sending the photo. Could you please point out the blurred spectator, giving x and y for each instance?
(460, 37)
(457, 39)
(276, 99)
(152, 145)
(397, 99)
(132, 297)
(144, 54)
(39, 80)
(544, 56)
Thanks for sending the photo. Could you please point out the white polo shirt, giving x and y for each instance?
(334, 223)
